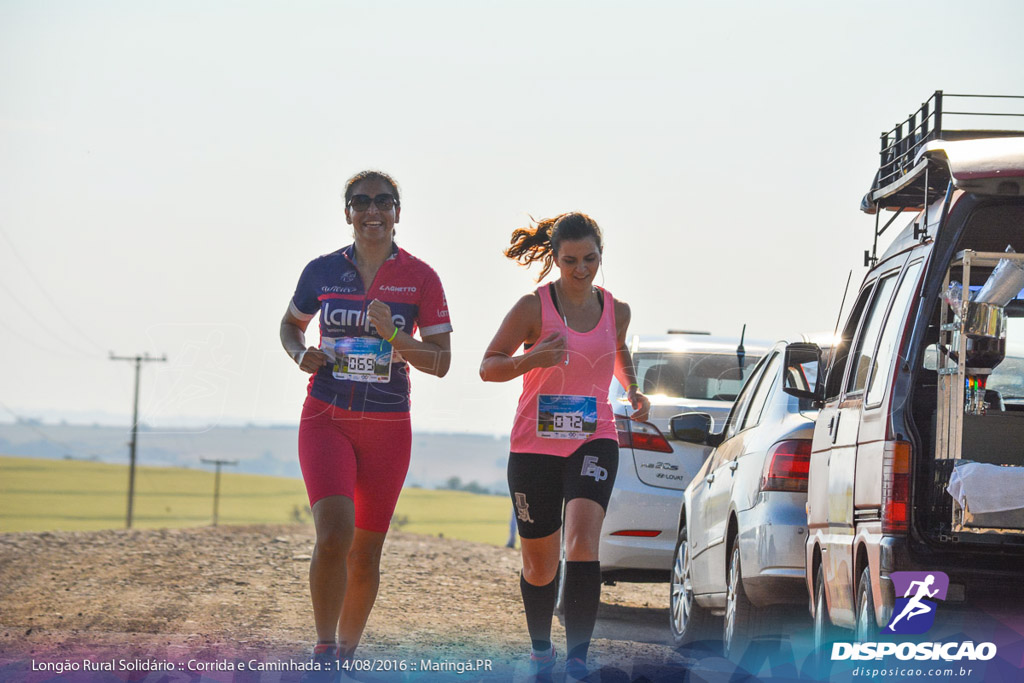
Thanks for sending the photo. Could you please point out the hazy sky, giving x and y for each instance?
(168, 168)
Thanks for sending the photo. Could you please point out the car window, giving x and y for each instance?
(742, 401)
(841, 350)
(764, 386)
(894, 324)
(700, 376)
(868, 337)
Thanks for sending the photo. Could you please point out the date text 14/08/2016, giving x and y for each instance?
(457, 666)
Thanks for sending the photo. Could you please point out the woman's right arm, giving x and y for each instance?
(522, 324)
(293, 339)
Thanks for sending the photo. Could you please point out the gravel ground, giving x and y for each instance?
(218, 595)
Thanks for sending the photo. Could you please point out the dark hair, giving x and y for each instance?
(541, 242)
(370, 175)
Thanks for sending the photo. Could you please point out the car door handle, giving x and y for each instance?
(710, 478)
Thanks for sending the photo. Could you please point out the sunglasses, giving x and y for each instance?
(361, 202)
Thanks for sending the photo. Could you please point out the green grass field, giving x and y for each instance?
(68, 495)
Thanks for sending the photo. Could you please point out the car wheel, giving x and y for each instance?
(824, 631)
(867, 627)
(742, 619)
(688, 620)
(560, 586)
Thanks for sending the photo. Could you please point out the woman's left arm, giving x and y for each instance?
(625, 372)
(432, 355)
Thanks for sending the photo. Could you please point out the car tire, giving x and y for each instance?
(560, 586)
(688, 621)
(867, 627)
(743, 620)
(824, 631)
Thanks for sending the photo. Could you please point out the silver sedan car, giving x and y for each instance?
(678, 373)
(739, 550)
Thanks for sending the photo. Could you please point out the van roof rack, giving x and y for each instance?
(903, 180)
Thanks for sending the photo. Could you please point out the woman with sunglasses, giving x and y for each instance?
(564, 442)
(354, 435)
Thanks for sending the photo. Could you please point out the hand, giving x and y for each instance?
(550, 351)
(380, 315)
(641, 405)
(313, 359)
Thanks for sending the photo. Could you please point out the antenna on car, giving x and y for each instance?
(741, 352)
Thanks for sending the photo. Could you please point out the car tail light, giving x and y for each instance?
(643, 533)
(895, 487)
(641, 436)
(786, 466)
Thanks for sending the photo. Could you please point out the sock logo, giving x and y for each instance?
(914, 613)
(592, 469)
(523, 508)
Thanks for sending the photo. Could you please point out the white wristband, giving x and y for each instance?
(302, 354)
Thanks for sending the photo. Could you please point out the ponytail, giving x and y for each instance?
(540, 243)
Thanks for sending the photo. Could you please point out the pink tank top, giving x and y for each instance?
(565, 406)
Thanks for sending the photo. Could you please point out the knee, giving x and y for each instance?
(333, 544)
(581, 548)
(363, 564)
(538, 570)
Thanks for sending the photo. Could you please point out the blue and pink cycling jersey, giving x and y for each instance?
(331, 286)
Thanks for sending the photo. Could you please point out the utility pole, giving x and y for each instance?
(138, 360)
(216, 482)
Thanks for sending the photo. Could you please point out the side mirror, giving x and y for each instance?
(692, 427)
(803, 372)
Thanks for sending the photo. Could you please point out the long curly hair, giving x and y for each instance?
(540, 241)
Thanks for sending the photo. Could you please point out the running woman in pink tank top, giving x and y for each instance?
(564, 442)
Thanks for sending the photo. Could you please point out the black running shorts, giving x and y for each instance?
(540, 484)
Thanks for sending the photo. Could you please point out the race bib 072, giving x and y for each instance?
(562, 416)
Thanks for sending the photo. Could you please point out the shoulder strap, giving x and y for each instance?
(554, 298)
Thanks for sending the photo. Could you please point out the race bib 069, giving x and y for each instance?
(561, 416)
(362, 359)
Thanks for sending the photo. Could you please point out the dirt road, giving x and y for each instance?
(230, 593)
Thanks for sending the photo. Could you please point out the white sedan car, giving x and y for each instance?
(679, 373)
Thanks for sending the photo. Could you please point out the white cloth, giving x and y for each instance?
(981, 487)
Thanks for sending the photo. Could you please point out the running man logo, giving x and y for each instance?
(523, 508)
(592, 469)
(914, 613)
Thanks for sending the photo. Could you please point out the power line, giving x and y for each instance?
(46, 295)
(31, 425)
(53, 335)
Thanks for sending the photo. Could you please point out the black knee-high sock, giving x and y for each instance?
(582, 596)
(539, 602)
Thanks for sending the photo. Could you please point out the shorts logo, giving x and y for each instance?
(914, 613)
(592, 469)
(523, 508)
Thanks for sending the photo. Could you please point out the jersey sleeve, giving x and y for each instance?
(305, 304)
(433, 315)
